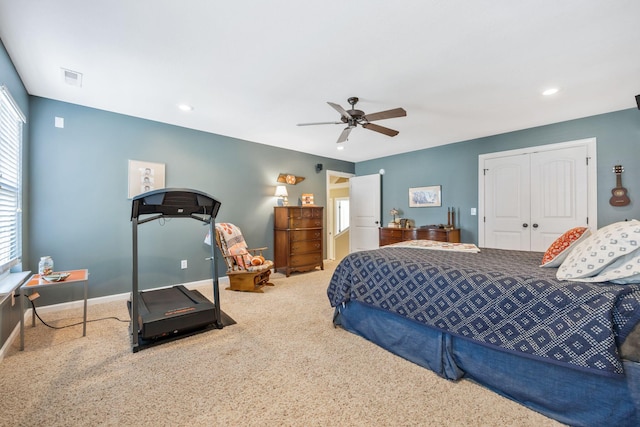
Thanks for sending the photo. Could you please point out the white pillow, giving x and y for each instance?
(601, 249)
(622, 271)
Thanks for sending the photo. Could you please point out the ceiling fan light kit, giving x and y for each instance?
(353, 117)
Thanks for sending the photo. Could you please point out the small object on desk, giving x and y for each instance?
(56, 277)
(45, 266)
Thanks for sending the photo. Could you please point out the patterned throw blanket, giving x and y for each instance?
(498, 298)
(436, 245)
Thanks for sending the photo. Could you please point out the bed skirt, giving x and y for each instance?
(567, 395)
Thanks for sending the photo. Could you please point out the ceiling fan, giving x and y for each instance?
(354, 117)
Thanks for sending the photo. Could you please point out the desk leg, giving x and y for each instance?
(22, 298)
(84, 320)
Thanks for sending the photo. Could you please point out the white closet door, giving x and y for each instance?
(559, 190)
(532, 198)
(507, 202)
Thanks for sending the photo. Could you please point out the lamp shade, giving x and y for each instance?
(281, 191)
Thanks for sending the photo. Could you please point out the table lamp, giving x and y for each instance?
(281, 194)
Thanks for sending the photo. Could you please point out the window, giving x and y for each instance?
(342, 214)
(11, 121)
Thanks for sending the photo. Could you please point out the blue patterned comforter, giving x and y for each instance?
(498, 298)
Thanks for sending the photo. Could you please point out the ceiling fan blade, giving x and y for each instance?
(341, 110)
(381, 129)
(320, 123)
(388, 114)
(345, 134)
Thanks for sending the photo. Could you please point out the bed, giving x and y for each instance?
(568, 348)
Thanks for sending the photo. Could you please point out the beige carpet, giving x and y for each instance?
(283, 364)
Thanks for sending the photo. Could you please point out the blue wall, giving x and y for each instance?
(81, 213)
(455, 168)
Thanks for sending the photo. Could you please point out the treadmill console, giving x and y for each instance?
(173, 203)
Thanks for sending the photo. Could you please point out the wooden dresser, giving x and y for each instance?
(297, 238)
(395, 235)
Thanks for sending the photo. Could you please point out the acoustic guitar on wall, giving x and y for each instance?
(619, 193)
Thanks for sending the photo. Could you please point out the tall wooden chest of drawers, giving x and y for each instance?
(297, 238)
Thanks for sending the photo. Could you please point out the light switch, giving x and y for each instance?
(59, 122)
(473, 211)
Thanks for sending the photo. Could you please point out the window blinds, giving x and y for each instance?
(11, 121)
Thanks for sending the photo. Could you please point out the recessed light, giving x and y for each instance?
(340, 147)
(550, 91)
(185, 107)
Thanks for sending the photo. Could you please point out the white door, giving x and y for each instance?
(508, 201)
(558, 194)
(364, 221)
(532, 198)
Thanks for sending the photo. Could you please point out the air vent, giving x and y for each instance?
(72, 78)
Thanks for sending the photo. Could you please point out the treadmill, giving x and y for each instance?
(167, 314)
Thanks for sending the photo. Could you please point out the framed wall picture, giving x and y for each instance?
(307, 199)
(425, 197)
(145, 176)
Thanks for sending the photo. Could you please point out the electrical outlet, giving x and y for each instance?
(183, 264)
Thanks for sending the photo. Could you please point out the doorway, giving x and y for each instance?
(337, 201)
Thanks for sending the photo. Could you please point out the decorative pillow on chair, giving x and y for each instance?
(243, 258)
(559, 249)
(618, 241)
(257, 260)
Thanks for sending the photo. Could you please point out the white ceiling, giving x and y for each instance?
(253, 69)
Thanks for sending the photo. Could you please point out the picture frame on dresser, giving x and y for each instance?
(425, 197)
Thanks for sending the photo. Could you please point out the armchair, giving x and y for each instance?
(246, 268)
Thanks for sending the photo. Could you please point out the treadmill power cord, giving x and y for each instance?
(33, 307)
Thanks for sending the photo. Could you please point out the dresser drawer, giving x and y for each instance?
(439, 234)
(306, 259)
(305, 213)
(391, 233)
(297, 235)
(305, 222)
(305, 246)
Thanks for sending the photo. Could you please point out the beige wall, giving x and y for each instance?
(342, 246)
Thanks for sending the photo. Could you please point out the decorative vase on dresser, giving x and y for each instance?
(297, 238)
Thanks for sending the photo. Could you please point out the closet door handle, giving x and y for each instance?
(525, 225)
(535, 225)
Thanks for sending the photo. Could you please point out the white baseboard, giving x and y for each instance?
(15, 334)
